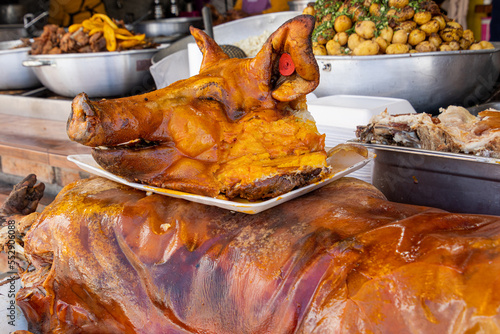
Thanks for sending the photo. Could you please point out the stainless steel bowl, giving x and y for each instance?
(168, 27)
(428, 81)
(299, 5)
(450, 181)
(14, 74)
(10, 32)
(100, 74)
(12, 13)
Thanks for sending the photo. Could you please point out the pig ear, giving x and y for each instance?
(212, 52)
(293, 38)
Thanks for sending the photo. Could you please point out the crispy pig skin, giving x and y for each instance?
(235, 109)
(342, 259)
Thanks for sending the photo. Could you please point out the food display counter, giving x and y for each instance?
(228, 201)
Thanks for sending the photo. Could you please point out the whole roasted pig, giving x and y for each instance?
(111, 259)
(238, 129)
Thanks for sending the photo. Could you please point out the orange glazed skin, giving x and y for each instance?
(194, 134)
(342, 259)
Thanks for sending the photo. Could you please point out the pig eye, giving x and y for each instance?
(211, 91)
(214, 91)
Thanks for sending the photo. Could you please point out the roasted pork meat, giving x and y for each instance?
(453, 130)
(238, 129)
(111, 259)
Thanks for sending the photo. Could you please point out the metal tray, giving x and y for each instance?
(450, 181)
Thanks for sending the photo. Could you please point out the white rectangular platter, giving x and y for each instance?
(87, 163)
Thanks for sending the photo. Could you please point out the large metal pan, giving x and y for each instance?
(10, 32)
(429, 81)
(99, 74)
(14, 75)
(168, 27)
(451, 181)
(12, 13)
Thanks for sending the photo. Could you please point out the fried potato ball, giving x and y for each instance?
(319, 49)
(398, 3)
(454, 25)
(387, 34)
(309, 10)
(422, 17)
(440, 19)
(464, 44)
(382, 43)
(450, 34)
(475, 46)
(375, 9)
(425, 46)
(341, 37)
(342, 23)
(365, 29)
(445, 47)
(402, 14)
(435, 39)
(407, 26)
(400, 37)
(354, 40)
(397, 49)
(366, 48)
(454, 45)
(486, 45)
(325, 36)
(333, 48)
(468, 35)
(416, 36)
(357, 13)
(430, 27)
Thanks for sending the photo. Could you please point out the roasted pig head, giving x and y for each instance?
(238, 129)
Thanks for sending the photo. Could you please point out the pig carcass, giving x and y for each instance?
(110, 259)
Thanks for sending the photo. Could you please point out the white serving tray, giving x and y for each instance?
(87, 163)
(349, 111)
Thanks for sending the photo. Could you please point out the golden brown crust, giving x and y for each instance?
(112, 259)
(188, 135)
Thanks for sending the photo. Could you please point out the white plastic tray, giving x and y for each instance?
(349, 111)
(87, 163)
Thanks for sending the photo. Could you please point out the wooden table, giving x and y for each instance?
(33, 140)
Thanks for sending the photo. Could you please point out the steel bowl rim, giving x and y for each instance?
(13, 43)
(16, 50)
(92, 54)
(410, 55)
(169, 20)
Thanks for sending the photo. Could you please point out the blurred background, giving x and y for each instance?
(473, 14)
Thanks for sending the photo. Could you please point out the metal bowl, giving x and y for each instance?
(14, 75)
(12, 13)
(168, 27)
(99, 74)
(9, 32)
(428, 81)
(450, 181)
(299, 5)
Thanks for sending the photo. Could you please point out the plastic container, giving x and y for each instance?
(337, 116)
